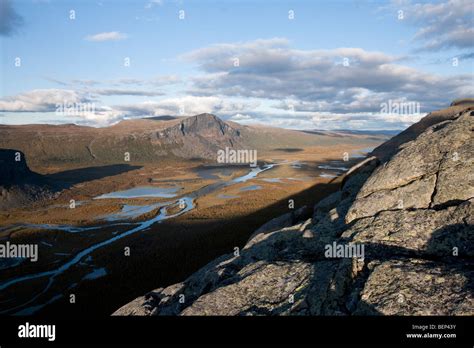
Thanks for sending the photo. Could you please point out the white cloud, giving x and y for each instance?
(241, 117)
(363, 120)
(273, 84)
(41, 100)
(188, 105)
(318, 79)
(246, 111)
(131, 92)
(442, 25)
(107, 36)
(94, 113)
(152, 3)
(160, 80)
(165, 80)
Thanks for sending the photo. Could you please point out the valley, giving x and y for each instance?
(114, 231)
(109, 231)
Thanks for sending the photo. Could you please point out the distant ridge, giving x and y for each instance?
(463, 101)
(338, 132)
(152, 139)
(161, 118)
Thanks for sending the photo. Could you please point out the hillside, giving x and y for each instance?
(18, 184)
(410, 207)
(155, 139)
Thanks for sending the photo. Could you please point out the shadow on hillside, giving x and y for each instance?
(68, 178)
(161, 118)
(288, 149)
(311, 168)
(328, 134)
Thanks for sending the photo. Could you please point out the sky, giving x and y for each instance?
(344, 64)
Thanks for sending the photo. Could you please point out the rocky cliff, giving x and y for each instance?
(18, 184)
(199, 136)
(403, 219)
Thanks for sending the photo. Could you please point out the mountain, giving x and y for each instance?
(198, 136)
(396, 239)
(151, 139)
(18, 184)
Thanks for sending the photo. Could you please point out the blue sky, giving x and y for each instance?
(290, 72)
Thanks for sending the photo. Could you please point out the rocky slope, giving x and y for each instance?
(199, 137)
(18, 184)
(410, 206)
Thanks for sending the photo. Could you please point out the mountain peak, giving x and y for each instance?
(203, 119)
(207, 125)
(206, 115)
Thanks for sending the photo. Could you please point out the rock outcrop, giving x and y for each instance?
(18, 184)
(199, 136)
(403, 219)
